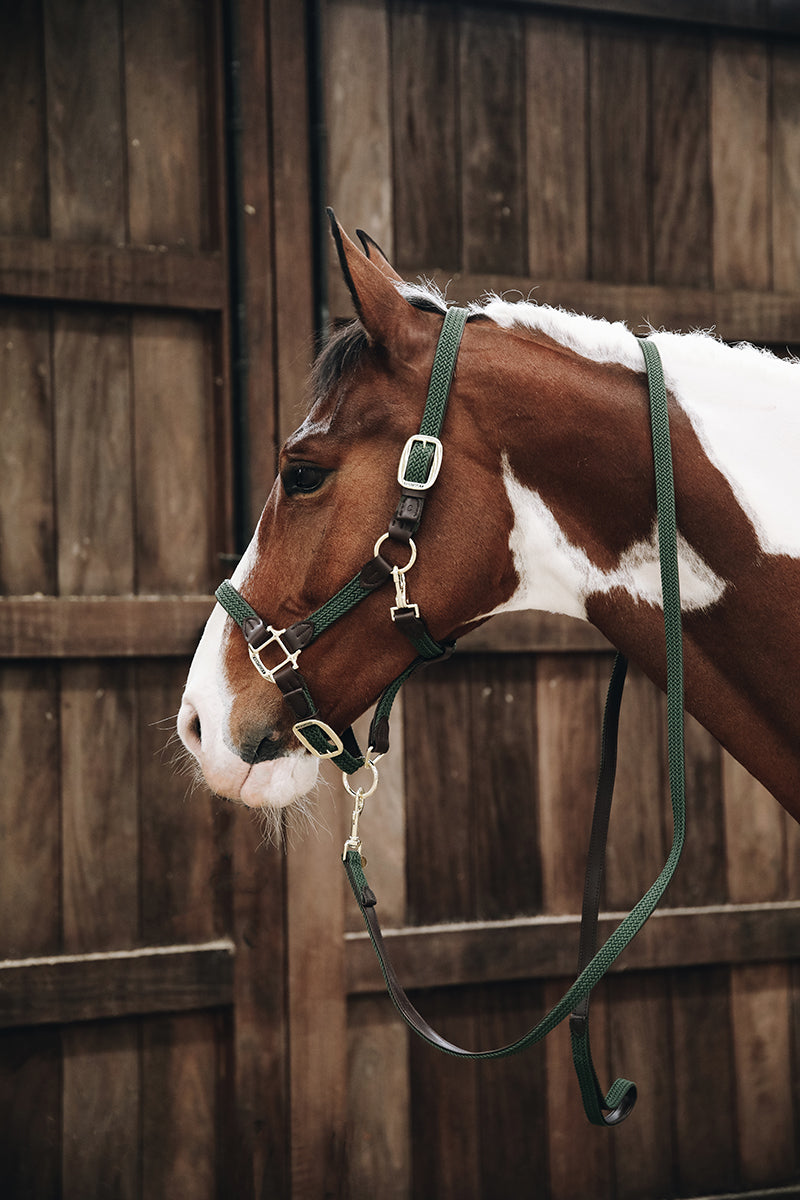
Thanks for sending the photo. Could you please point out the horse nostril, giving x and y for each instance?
(194, 728)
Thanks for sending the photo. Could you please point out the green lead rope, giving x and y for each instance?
(610, 1108)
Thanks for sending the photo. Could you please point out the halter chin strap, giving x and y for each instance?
(418, 470)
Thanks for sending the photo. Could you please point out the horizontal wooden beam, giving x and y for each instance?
(101, 626)
(546, 947)
(768, 16)
(92, 987)
(765, 317)
(150, 277)
(533, 632)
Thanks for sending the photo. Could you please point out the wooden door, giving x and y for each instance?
(637, 170)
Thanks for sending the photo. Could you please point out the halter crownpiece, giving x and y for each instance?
(419, 467)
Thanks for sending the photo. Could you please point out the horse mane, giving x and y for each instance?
(595, 338)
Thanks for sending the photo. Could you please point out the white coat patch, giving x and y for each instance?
(557, 576)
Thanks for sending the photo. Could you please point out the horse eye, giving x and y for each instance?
(303, 478)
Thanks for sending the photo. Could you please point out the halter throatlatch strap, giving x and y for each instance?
(611, 1108)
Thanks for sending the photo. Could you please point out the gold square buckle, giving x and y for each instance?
(325, 730)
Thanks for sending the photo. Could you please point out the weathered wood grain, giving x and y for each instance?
(681, 187)
(85, 137)
(620, 222)
(760, 1012)
(167, 125)
(101, 1110)
(557, 183)
(101, 626)
(544, 947)
(359, 151)
(703, 1081)
(94, 483)
(739, 163)
(66, 988)
(23, 153)
(423, 82)
(379, 1149)
(785, 164)
(172, 391)
(30, 1103)
(492, 124)
(153, 277)
(179, 1091)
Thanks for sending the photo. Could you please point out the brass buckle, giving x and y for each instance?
(326, 730)
(433, 471)
(255, 654)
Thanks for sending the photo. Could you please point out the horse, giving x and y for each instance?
(545, 499)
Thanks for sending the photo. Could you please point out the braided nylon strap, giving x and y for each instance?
(620, 1097)
(421, 457)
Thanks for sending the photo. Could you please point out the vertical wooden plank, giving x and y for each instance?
(317, 1015)
(785, 180)
(379, 1107)
(640, 823)
(681, 178)
(27, 520)
(101, 1109)
(23, 153)
(441, 883)
(754, 829)
(492, 154)
(701, 877)
(425, 135)
(555, 85)
(574, 1176)
(294, 282)
(620, 213)
(503, 778)
(360, 149)
(179, 1071)
(704, 1085)
(739, 163)
(640, 1049)
(258, 111)
(569, 716)
(30, 1107)
(100, 821)
(512, 1093)
(91, 382)
(84, 121)
(445, 1110)
(167, 124)
(760, 1008)
(171, 401)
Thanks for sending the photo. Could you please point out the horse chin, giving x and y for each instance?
(280, 782)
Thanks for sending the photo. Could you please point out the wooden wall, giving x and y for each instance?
(184, 1012)
(634, 169)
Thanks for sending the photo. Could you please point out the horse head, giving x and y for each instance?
(329, 507)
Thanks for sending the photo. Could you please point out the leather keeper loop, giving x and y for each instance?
(299, 635)
(374, 573)
(254, 630)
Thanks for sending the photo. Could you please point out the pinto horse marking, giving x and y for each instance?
(545, 499)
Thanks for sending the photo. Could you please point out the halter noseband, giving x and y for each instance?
(417, 472)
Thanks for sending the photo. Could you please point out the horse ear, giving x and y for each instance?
(376, 255)
(383, 312)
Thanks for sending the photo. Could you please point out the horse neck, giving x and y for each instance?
(573, 437)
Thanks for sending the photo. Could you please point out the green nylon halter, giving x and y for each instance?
(420, 461)
(613, 1107)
